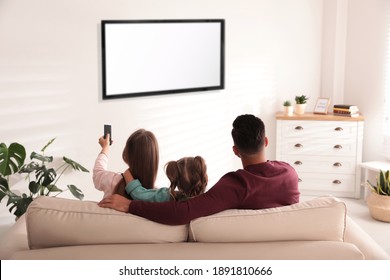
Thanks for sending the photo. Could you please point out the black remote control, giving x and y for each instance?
(107, 130)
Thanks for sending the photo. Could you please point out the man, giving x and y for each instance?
(260, 184)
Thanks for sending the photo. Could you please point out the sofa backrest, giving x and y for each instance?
(54, 222)
(322, 218)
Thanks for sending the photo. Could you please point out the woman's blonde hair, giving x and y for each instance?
(189, 175)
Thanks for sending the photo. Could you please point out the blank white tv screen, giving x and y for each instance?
(147, 57)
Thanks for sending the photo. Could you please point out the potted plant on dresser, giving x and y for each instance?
(378, 201)
(288, 108)
(300, 104)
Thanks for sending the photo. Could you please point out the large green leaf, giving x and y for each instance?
(12, 158)
(76, 192)
(4, 183)
(386, 187)
(28, 168)
(382, 178)
(383, 183)
(40, 157)
(46, 176)
(4, 188)
(34, 187)
(19, 204)
(75, 165)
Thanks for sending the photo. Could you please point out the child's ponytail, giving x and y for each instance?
(200, 178)
(172, 171)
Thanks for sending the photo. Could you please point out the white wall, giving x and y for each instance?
(365, 65)
(50, 78)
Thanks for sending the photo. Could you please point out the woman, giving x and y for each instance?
(140, 153)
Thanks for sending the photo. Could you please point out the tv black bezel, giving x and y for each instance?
(170, 91)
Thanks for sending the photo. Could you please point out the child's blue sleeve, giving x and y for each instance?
(138, 192)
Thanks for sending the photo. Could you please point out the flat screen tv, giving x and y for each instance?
(148, 57)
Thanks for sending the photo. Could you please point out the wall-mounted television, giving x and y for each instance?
(148, 57)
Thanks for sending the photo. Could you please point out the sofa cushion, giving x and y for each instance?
(53, 222)
(322, 218)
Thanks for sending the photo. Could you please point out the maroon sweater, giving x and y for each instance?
(265, 185)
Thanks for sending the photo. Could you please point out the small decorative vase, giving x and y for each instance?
(300, 109)
(288, 110)
(379, 206)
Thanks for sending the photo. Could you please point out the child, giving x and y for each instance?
(140, 154)
(188, 175)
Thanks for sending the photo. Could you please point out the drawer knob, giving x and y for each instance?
(298, 127)
(338, 147)
(337, 182)
(298, 145)
(298, 162)
(338, 164)
(338, 128)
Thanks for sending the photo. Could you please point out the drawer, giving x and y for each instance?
(344, 165)
(320, 147)
(318, 129)
(329, 183)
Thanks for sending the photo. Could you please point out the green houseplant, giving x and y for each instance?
(378, 201)
(302, 99)
(300, 104)
(44, 181)
(288, 108)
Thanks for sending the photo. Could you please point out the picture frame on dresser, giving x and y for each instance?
(322, 106)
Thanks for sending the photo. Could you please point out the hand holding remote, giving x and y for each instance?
(107, 131)
(104, 142)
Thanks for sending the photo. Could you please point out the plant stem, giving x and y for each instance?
(62, 172)
(60, 192)
(58, 177)
(49, 191)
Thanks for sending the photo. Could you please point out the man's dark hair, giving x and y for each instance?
(248, 134)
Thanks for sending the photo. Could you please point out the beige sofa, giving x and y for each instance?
(55, 228)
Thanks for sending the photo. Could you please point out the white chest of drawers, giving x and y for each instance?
(325, 150)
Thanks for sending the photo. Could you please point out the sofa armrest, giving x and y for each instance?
(356, 235)
(14, 240)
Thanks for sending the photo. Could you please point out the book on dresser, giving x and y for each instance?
(346, 110)
(346, 106)
(346, 114)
